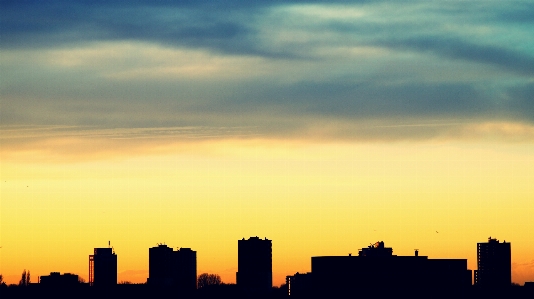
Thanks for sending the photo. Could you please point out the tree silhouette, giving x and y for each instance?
(25, 279)
(206, 279)
(22, 281)
(2, 282)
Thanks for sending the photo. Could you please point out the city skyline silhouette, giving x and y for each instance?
(320, 125)
(374, 268)
(493, 264)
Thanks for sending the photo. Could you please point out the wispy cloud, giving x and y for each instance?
(421, 125)
(25, 132)
(282, 67)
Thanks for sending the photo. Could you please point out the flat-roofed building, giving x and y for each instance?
(103, 268)
(376, 267)
(254, 264)
(494, 263)
(170, 268)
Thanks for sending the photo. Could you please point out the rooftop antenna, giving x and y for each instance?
(109, 244)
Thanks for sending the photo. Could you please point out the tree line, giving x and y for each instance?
(204, 280)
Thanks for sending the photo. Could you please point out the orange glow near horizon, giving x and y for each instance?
(309, 198)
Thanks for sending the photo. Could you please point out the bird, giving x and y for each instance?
(437, 232)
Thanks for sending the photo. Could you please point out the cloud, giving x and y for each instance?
(66, 144)
(520, 103)
(35, 23)
(56, 144)
(25, 132)
(520, 12)
(459, 49)
(224, 27)
(283, 67)
(235, 27)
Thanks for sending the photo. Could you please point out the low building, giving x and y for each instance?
(57, 280)
(299, 285)
(376, 268)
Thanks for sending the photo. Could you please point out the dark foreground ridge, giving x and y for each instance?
(232, 291)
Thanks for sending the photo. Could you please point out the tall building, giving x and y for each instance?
(103, 267)
(494, 260)
(254, 264)
(186, 264)
(160, 266)
(170, 268)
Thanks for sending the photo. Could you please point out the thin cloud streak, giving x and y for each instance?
(125, 133)
(422, 125)
(85, 144)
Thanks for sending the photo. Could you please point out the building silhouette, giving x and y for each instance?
(186, 263)
(299, 285)
(169, 268)
(160, 266)
(57, 280)
(254, 264)
(494, 263)
(376, 268)
(378, 250)
(103, 268)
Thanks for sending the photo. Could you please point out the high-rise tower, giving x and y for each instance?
(494, 261)
(160, 266)
(103, 267)
(254, 264)
(186, 264)
(170, 268)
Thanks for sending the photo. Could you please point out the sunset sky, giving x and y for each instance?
(322, 125)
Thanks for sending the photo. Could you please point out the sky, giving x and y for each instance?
(323, 126)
